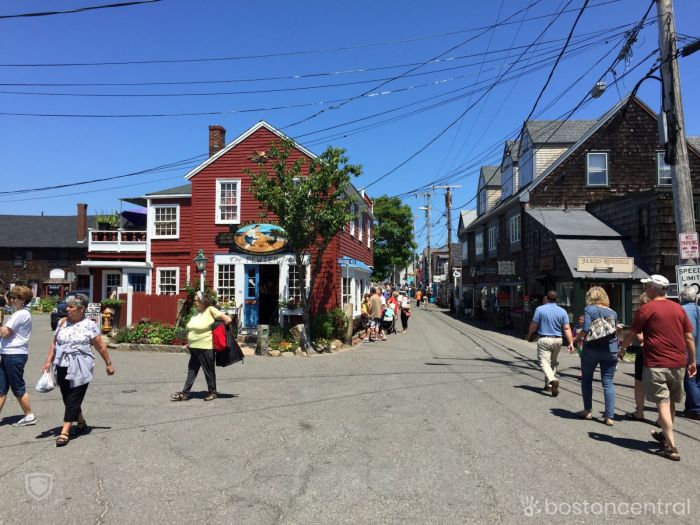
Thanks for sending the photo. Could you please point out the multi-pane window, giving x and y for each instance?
(165, 221)
(167, 281)
(493, 238)
(360, 226)
(112, 282)
(347, 290)
(663, 170)
(137, 281)
(514, 228)
(295, 282)
(597, 169)
(479, 244)
(228, 201)
(226, 282)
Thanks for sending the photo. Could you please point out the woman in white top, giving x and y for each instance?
(14, 352)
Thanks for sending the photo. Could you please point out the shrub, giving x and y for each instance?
(46, 304)
(150, 333)
(322, 327)
(339, 323)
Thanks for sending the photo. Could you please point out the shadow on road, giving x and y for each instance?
(10, 419)
(535, 389)
(649, 447)
(565, 414)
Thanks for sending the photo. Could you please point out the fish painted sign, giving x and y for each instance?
(258, 238)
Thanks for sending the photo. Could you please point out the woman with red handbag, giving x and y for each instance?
(201, 347)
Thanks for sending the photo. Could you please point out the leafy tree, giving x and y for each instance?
(393, 235)
(310, 199)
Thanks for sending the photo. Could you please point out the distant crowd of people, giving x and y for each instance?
(664, 336)
(381, 311)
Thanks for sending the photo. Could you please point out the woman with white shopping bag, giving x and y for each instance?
(14, 352)
(72, 357)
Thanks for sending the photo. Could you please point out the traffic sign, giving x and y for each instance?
(688, 243)
(688, 276)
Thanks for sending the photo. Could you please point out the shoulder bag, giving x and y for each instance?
(601, 328)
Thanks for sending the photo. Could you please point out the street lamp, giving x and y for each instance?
(200, 262)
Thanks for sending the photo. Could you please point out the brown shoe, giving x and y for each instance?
(211, 396)
(555, 387)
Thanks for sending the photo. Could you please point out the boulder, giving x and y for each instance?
(274, 353)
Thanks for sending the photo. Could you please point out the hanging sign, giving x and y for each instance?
(256, 238)
(688, 243)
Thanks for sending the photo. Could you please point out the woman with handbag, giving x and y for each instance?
(599, 349)
(201, 347)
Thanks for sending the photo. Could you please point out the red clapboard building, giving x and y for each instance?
(248, 261)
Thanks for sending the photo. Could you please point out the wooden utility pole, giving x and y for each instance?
(427, 225)
(672, 107)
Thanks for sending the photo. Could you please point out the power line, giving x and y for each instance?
(78, 10)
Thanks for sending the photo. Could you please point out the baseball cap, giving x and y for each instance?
(657, 281)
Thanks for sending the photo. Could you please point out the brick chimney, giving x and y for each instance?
(217, 139)
(81, 233)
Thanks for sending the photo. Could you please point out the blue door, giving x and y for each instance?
(251, 304)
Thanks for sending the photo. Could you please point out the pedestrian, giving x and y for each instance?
(3, 305)
(375, 313)
(599, 352)
(365, 319)
(575, 330)
(14, 352)
(692, 384)
(550, 323)
(637, 347)
(393, 303)
(405, 312)
(419, 297)
(201, 347)
(668, 346)
(72, 358)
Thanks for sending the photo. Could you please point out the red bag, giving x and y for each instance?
(218, 337)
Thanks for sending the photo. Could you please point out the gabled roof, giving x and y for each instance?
(557, 131)
(491, 175)
(241, 138)
(179, 191)
(694, 142)
(41, 231)
(512, 147)
(466, 218)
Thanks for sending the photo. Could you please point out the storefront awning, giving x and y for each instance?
(572, 249)
(115, 264)
(349, 262)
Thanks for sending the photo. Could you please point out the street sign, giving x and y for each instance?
(688, 243)
(456, 274)
(688, 276)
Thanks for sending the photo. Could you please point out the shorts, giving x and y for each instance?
(376, 322)
(662, 385)
(12, 374)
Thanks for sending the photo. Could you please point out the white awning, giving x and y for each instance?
(115, 264)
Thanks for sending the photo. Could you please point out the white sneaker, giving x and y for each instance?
(25, 421)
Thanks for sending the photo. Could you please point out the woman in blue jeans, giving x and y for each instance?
(601, 352)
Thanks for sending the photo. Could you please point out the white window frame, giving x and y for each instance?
(479, 244)
(369, 234)
(217, 207)
(347, 298)
(217, 275)
(659, 161)
(514, 228)
(177, 221)
(353, 210)
(177, 278)
(360, 225)
(302, 282)
(493, 238)
(588, 169)
(107, 273)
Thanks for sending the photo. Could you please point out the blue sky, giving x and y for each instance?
(392, 36)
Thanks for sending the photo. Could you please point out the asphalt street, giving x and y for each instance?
(442, 424)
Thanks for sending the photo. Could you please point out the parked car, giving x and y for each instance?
(59, 312)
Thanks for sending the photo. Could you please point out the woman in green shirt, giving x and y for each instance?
(201, 347)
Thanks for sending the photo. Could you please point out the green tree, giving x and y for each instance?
(393, 235)
(311, 200)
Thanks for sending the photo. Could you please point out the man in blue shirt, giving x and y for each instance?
(692, 384)
(550, 322)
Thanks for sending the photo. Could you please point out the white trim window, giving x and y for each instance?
(112, 281)
(166, 221)
(295, 282)
(347, 291)
(226, 282)
(351, 226)
(228, 201)
(493, 238)
(597, 169)
(167, 281)
(479, 244)
(514, 228)
(360, 225)
(663, 170)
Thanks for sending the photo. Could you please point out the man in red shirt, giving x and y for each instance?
(668, 346)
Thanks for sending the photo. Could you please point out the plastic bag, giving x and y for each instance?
(46, 383)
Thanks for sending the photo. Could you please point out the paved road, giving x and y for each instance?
(442, 424)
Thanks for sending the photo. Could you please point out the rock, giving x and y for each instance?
(337, 343)
(274, 353)
(287, 354)
(305, 354)
(297, 352)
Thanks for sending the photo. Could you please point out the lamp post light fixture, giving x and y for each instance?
(200, 262)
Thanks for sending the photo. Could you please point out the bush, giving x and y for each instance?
(150, 333)
(46, 304)
(339, 323)
(283, 345)
(322, 327)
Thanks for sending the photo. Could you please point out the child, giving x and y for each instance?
(579, 347)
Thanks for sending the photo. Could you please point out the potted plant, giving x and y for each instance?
(108, 220)
(114, 305)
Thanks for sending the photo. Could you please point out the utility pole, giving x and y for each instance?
(427, 225)
(448, 210)
(672, 107)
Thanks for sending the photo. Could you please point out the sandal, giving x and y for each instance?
(669, 453)
(80, 428)
(659, 436)
(179, 396)
(62, 440)
(585, 414)
(632, 416)
(609, 421)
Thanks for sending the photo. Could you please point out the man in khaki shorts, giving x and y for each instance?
(668, 346)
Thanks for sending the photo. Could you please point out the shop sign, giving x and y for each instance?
(688, 243)
(506, 267)
(255, 238)
(605, 264)
(260, 259)
(688, 276)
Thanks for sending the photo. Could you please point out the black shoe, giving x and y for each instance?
(555, 387)
(692, 415)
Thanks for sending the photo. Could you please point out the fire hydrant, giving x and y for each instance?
(107, 320)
